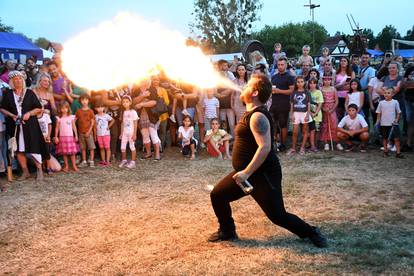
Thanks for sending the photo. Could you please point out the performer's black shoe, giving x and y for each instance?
(223, 236)
(317, 238)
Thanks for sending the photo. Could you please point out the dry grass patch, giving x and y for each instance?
(155, 220)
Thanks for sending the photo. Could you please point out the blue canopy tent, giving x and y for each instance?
(375, 53)
(405, 53)
(17, 45)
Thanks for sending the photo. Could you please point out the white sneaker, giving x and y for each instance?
(83, 164)
(339, 147)
(185, 112)
(123, 163)
(91, 164)
(172, 118)
(393, 148)
(130, 165)
(326, 148)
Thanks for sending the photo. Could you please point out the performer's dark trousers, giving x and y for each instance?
(267, 193)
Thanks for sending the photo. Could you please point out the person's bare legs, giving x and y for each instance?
(66, 164)
(192, 147)
(227, 147)
(73, 160)
(157, 150)
(305, 135)
(102, 152)
(23, 163)
(108, 155)
(294, 136)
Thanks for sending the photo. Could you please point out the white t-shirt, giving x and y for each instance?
(186, 134)
(353, 98)
(353, 124)
(44, 122)
(129, 116)
(389, 111)
(374, 83)
(102, 122)
(210, 107)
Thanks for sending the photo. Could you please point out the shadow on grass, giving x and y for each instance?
(369, 248)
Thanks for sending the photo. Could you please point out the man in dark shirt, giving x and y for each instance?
(255, 161)
(283, 83)
(408, 88)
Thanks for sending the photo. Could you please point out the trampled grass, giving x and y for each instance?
(155, 220)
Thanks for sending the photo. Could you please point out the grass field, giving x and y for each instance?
(155, 220)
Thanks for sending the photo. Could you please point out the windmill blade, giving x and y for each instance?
(352, 28)
(356, 25)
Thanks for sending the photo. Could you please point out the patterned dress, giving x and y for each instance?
(328, 118)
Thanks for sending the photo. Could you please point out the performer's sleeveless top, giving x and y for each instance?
(245, 145)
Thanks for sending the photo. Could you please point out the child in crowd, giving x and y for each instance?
(305, 57)
(85, 119)
(329, 119)
(316, 107)
(211, 107)
(324, 58)
(276, 55)
(389, 113)
(129, 125)
(353, 127)
(45, 124)
(300, 114)
(217, 140)
(355, 96)
(103, 123)
(66, 136)
(186, 136)
(179, 95)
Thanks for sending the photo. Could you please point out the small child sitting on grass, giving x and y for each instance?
(217, 141)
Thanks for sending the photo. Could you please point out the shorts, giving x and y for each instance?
(86, 142)
(212, 152)
(386, 131)
(280, 118)
(186, 150)
(299, 118)
(314, 125)
(127, 139)
(104, 142)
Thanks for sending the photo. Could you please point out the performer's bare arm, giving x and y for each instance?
(260, 127)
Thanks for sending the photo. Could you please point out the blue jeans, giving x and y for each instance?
(409, 110)
(180, 115)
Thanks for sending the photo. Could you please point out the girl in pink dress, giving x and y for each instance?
(329, 119)
(66, 137)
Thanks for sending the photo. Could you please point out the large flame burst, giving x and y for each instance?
(127, 49)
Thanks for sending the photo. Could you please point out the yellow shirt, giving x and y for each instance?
(162, 93)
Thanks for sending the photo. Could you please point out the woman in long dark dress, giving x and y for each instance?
(21, 107)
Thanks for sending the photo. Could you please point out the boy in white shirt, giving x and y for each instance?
(353, 127)
(388, 115)
(211, 107)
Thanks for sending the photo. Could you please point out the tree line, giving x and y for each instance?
(221, 27)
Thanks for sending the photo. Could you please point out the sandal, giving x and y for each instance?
(146, 157)
(385, 154)
(302, 152)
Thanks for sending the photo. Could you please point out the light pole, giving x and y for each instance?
(311, 11)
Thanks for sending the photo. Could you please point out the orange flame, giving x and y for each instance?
(128, 49)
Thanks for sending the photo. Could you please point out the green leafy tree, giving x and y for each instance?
(385, 36)
(292, 36)
(410, 34)
(42, 42)
(5, 28)
(225, 25)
